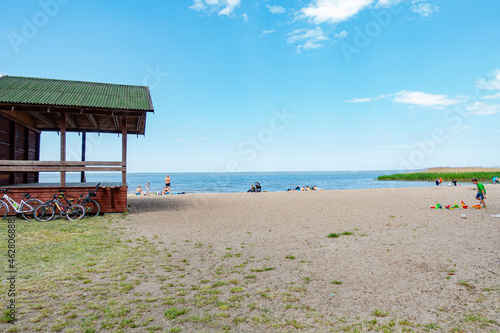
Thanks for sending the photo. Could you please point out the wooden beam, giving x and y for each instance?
(63, 146)
(43, 119)
(71, 121)
(91, 130)
(139, 122)
(124, 150)
(59, 169)
(59, 163)
(93, 121)
(115, 120)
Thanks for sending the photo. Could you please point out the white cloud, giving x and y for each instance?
(387, 3)
(493, 83)
(198, 5)
(245, 17)
(424, 99)
(340, 35)
(198, 119)
(482, 109)
(267, 32)
(308, 38)
(367, 99)
(276, 9)
(485, 97)
(423, 8)
(224, 7)
(360, 100)
(333, 11)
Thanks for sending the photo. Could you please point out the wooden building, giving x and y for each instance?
(30, 106)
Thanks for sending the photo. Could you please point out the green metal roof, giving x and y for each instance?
(28, 90)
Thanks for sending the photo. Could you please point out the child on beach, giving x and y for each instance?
(481, 192)
(138, 190)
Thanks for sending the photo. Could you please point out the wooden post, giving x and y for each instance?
(38, 138)
(63, 146)
(124, 150)
(84, 144)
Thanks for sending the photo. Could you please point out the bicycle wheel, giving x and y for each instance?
(4, 210)
(75, 212)
(28, 207)
(44, 212)
(92, 208)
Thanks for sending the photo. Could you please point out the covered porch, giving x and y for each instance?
(33, 105)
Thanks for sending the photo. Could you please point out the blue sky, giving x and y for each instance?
(309, 85)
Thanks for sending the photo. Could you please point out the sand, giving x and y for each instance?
(420, 268)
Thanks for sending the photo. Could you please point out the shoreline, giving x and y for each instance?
(132, 194)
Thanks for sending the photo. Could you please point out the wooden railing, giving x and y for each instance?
(58, 166)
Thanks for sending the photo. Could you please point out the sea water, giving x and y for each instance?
(242, 181)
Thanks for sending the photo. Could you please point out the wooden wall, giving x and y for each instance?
(111, 199)
(18, 142)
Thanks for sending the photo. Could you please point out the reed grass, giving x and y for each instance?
(461, 169)
(447, 176)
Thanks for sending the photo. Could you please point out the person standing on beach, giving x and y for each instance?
(481, 192)
(167, 184)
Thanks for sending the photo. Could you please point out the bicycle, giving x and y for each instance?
(25, 207)
(92, 207)
(47, 211)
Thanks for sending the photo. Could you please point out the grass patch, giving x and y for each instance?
(263, 269)
(380, 313)
(88, 263)
(336, 235)
(173, 312)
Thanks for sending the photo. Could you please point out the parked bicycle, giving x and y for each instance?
(55, 209)
(92, 207)
(25, 207)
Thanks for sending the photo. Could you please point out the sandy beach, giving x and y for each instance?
(398, 265)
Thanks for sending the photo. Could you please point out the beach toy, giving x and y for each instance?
(477, 206)
(464, 216)
(433, 207)
(448, 207)
(465, 206)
